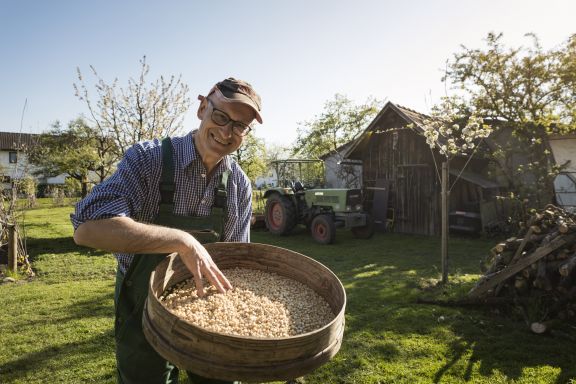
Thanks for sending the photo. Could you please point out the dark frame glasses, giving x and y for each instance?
(222, 119)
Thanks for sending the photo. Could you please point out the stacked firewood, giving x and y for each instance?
(536, 269)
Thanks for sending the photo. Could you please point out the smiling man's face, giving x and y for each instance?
(218, 141)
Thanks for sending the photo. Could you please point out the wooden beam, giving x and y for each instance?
(517, 255)
(512, 269)
(12, 248)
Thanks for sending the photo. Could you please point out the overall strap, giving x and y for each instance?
(167, 186)
(220, 192)
(220, 207)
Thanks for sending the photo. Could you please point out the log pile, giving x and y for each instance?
(536, 269)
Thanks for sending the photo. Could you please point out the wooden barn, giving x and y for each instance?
(402, 180)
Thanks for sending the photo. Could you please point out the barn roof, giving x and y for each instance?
(475, 178)
(341, 149)
(409, 115)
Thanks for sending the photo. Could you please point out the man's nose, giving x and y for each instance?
(227, 129)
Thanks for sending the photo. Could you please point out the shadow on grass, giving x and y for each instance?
(382, 285)
(510, 351)
(68, 359)
(72, 338)
(101, 306)
(385, 302)
(97, 306)
(57, 245)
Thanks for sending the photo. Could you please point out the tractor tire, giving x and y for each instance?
(365, 231)
(280, 214)
(323, 229)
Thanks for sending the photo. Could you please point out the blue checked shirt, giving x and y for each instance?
(132, 191)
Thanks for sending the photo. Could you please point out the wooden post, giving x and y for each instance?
(12, 248)
(444, 230)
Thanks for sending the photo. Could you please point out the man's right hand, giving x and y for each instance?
(200, 263)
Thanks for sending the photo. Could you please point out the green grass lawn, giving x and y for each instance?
(58, 327)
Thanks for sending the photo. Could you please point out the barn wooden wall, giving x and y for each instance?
(402, 157)
(399, 158)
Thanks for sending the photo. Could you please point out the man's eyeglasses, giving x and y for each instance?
(221, 118)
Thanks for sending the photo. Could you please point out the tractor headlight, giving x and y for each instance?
(347, 208)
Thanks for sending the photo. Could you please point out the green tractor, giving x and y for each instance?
(321, 210)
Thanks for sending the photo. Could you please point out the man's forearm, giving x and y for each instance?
(124, 235)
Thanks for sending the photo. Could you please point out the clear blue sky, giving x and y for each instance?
(298, 54)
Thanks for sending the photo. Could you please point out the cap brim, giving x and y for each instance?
(239, 98)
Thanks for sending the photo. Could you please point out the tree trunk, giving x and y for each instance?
(84, 183)
(444, 231)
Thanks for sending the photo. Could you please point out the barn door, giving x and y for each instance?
(380, 205)
(415, 206)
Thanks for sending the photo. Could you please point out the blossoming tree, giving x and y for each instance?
(452, 130)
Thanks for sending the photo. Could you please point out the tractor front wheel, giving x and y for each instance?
(323, 229)
(280, 214)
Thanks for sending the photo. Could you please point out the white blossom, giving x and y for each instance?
(456, 138)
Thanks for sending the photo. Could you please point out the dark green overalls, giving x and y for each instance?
(137, 362)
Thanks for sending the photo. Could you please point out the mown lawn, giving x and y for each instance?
(58, 327)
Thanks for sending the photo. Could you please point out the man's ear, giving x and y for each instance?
(202, 107)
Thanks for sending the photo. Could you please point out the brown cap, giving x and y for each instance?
(238, 91)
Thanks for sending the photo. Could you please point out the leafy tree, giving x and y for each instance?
(528, 93)
(77, 150)
(568, 78)
(138, 112)
(251, 157)
(339, 123)
(72, 187)
(27, 186)
(276, 152)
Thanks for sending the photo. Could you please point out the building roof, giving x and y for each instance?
(341, 149)
(407, 114)
(411, 115)
(12, 141)
(475, 178)
(417, 119)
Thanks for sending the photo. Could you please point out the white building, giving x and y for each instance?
(14, 163)
(268, 180)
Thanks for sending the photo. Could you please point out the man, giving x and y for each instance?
(171, 196)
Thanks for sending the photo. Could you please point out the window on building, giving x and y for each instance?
(565, 188)
(13, 157)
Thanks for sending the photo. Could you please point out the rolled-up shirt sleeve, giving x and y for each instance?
(120, 195)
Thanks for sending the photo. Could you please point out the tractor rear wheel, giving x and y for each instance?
(280, 214)
(365, 231)
(323, 229)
